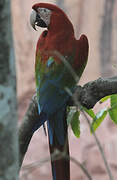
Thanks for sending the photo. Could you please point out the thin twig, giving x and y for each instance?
(56, 156)
(100, 148)
(97, 142)
(81, 166)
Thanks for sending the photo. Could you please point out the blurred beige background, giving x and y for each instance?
(98, 20)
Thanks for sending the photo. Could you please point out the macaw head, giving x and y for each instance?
(49, 16)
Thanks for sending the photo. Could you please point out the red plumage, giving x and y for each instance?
(60, 37)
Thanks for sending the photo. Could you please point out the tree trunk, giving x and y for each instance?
(8, 115)
(106, 41)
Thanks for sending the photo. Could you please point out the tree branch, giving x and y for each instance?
(26, 128)
(88, 96)
(93, 91)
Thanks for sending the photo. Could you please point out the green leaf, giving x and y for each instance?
(89, 112)
(71, 111)
(104, 99)
(75, 124)
(113, 110)
(98, 119)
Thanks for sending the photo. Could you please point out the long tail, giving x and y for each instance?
(58, 140)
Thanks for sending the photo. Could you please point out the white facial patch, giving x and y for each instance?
(45, 15)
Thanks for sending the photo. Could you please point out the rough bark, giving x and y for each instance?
(8, 117)
(30, 120)
(93, 91)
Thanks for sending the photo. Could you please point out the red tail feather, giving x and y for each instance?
(60, 164)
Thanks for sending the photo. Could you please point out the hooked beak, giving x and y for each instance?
(35, 20)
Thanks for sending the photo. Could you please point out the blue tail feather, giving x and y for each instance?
(56, 126)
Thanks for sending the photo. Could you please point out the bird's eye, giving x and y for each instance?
(43, 10)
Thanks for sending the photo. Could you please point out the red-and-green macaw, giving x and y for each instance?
(53, 76)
